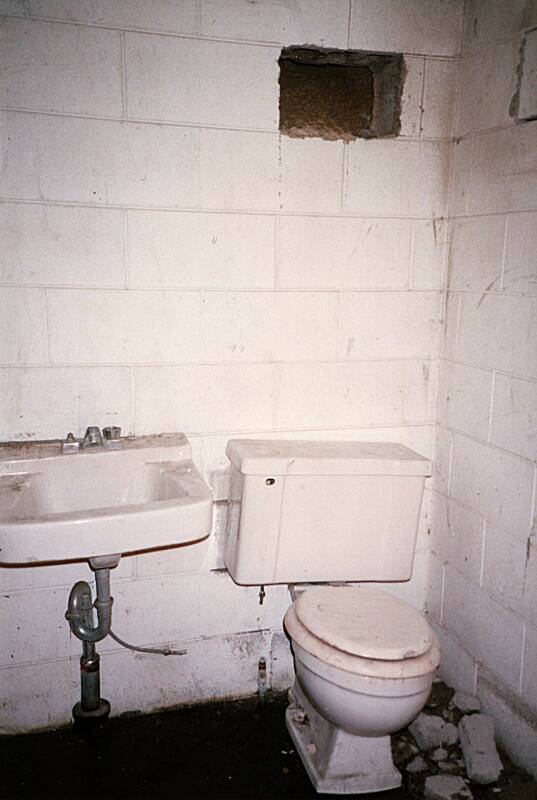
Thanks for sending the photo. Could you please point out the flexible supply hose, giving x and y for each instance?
(162, 652)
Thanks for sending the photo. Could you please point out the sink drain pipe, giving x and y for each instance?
(92, 707)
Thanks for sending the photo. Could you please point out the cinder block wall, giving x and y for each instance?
(169, 262)
(483, 581)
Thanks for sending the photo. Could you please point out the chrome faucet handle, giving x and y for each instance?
(111, 433)
(93, 437)
(70, 444)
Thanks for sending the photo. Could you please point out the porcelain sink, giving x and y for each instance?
(143, 493)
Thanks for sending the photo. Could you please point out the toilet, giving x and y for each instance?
(315, 514)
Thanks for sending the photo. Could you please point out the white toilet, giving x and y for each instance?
(319, 512)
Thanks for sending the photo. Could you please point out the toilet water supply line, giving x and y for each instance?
(79, 614)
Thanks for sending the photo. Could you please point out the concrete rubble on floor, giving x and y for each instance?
(446, 787)
(466, 703)
(481, 758)
(446, 748)
(431, 731)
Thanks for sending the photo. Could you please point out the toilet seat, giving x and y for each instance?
(363, 631)
(364, 622)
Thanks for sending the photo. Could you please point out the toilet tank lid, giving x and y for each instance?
(286, 457)
(365, 622)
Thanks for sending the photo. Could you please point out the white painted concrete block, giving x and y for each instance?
(97, 327)
(464, 398)
(514, 731)
(442, 460)
(275, 326)
(310, 175)
(33, 626)
(318, 22)
(232, 397)
(172, 249)
(457, 667)
(421, 391)
(23, 335)
(520, 273)
(334, 252)
(61, 245)
(371, 325)
(429, 247)
(529, 668)
(340, 395)
(487, 23)
(171, 16)
(489, 79)
(499, 332)
(238, 170)
(213, 668)
(226, 607)
(489, 632)
(163, 71)
(465, 543)
(460, 175)
(412, 96)
(100, 161)
(403, 25)
(37, 696)
(83, 76)
(24, 579)
(494, 484)
(281, 663)
(45, 403)
(387, 177)
(476, 254)
(157, 610)
(514, 415)
(191, 557)
(16, 8)
(503, 171)
(505, 569)
(440, 91)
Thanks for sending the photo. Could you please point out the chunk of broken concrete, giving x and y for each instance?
(418, 764)
(439, 754)
(447, 787)
(430, 731)
(466, 703)
(481, 758)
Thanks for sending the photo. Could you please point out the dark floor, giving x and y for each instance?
(219, 750)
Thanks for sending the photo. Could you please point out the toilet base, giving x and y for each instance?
(336, 761)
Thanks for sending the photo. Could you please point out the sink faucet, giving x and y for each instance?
(93, 437)
(110, 438)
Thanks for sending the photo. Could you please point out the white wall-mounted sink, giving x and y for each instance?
(55, 506)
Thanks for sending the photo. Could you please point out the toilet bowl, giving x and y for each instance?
(364, 665)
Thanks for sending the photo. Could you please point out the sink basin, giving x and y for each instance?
(141, 494)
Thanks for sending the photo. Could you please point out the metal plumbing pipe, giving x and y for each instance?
(79, 612)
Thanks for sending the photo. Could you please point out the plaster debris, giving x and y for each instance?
(466, 703)
(417, 765)
(481, 758)
(431, 731)
(447, 787)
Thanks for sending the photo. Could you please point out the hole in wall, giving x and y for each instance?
(340, 94)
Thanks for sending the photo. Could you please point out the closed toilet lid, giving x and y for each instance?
(364, 622)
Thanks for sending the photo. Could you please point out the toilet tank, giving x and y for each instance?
(322, 511)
